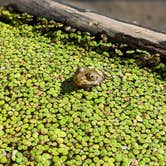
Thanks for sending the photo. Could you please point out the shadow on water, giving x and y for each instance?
(67, 86)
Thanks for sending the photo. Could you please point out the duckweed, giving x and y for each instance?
(46, 120)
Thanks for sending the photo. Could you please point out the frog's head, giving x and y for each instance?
(88, 77)
(94, 76)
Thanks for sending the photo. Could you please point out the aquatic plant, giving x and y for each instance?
(45, 120)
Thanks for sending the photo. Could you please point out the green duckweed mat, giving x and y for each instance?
(45, 120)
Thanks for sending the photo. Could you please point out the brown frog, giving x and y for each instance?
(87, 77)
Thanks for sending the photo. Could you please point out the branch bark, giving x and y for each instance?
(84, 20)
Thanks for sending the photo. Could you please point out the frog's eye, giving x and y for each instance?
(89, 76)
(93, 77)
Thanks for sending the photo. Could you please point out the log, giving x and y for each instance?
(134, 36)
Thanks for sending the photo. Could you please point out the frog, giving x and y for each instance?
(88, 77)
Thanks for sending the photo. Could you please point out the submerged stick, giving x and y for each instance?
(84, 20)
